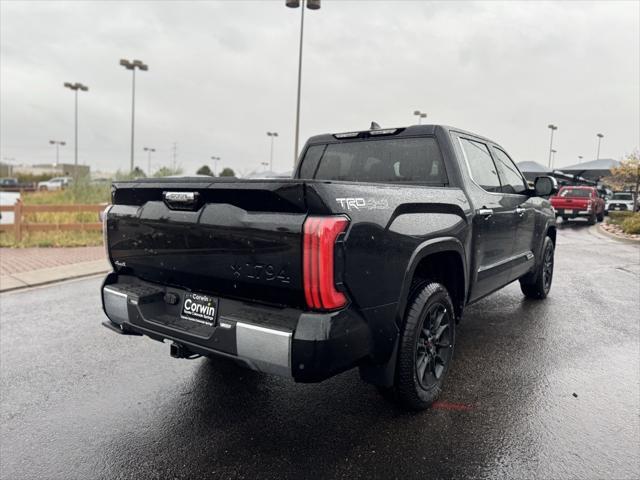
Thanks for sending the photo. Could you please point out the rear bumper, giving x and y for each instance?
(571, 213)
(309, 347)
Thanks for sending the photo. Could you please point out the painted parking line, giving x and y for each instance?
(453, 406)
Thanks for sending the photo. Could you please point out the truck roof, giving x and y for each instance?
(406, 131)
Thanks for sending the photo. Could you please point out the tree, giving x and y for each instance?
(136, 173)
(227, 172)
(205, 170)
(167, 172)
(627, 176)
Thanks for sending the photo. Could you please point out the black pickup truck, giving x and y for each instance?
(366, 258)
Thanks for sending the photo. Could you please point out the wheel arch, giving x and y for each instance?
(446, 255)
(441, 260)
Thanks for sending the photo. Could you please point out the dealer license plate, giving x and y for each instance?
(200, 308)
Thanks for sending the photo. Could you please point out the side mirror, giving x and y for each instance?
(545, 186)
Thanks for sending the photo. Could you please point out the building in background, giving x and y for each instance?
(6, 169)
(531, 170)
(593, 170)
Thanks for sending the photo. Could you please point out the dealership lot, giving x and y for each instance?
(537, 390)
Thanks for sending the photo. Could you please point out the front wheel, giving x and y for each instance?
(538, 283)
(426, 347)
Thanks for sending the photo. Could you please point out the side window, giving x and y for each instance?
(483, 170)
(310, 161)
(512, 181)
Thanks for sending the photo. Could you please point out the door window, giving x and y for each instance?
(512, 181)
(483, 170)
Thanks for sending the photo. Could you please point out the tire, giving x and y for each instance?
(592, 219)
(600, 217)
(564, 219)
(426, 348)
(538, 284)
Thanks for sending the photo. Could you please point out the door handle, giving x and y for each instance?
(520, 211)
(485, 212)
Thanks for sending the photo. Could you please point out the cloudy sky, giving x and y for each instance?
(223, 73)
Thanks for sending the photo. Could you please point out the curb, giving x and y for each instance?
(45, 276)
(630, 241)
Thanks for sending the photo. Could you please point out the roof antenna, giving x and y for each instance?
(374, 126)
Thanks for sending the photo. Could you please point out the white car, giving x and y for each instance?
(619, 201)
(56, 183)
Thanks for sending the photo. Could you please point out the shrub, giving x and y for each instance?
(631, 224)
(617, 218)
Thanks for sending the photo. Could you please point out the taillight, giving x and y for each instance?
(320, 234)
(103, 218)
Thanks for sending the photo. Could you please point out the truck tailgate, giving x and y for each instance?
(239, 239)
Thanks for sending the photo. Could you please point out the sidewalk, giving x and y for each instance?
(27, 267)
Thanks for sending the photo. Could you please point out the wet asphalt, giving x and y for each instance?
(538, 389)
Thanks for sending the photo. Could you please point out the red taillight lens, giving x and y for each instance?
(320, 234)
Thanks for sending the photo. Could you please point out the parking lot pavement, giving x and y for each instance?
(537, 390)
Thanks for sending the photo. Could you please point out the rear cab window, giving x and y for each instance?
(575, 192)
(412, 160)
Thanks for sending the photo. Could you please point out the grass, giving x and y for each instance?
(628, 221)
(52, 239)
(82, 193)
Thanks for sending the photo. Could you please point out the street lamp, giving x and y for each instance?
(57, 143)
(132, 65)
(149, 152)
(215, 164)
(311, 5)
(600, 136)
(75, 87)
(553, 157)
(272, 135)
(420, 116)
(552, 128)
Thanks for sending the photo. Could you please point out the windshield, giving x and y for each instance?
(389, 160)
(575, 192)
(622, 196)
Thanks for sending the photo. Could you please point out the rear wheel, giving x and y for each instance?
(601, 217)
(537, 284)
(426, 347)
(592, 219)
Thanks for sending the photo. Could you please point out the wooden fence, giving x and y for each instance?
(20, 226)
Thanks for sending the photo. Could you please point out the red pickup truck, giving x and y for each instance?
(579, 202)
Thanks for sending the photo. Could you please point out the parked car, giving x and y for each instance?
(579, 202)
(622, 201)
(8, 182)
(366, 258)
(56, 183)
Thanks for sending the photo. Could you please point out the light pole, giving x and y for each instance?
(600, 136)
(311, 5)
(75, 87)
(132, 65)
(57, 143)
(551, 127)
(553, 157)
(420, 115)
(149, 152)
(272, 135)
(215, 164)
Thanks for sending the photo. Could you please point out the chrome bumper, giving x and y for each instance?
(260, 348)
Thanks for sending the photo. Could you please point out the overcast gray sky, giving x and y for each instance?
(222, 73)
